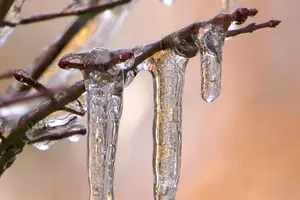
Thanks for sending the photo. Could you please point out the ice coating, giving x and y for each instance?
(168, 70)
(211, 40)
(57, 122)
(104, 79)
(13, 16)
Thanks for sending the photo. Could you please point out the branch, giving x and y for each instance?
(52, 136)
(16, 140)
(43, 17)
(4, 8)
(253, 27)
(43, 61)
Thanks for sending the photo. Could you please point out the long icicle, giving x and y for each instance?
(104, 85)
(104, 112)
(168, 69)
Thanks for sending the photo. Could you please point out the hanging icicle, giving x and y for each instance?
(167, 69)
(211, 40)
(104, 81)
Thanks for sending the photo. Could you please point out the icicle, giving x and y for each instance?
(211, 40)
(168, 2)
(168, 70)
(104, 88)
(12, 16)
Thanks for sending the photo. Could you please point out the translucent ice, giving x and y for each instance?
(168, 70)
(211, 40)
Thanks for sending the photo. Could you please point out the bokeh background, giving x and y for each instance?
(246, 145)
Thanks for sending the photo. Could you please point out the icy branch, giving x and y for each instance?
(16, 140)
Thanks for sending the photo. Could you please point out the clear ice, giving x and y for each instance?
(168, 2)
(229, 6)
(211, 40)
(12, 16)
(104, 88)
(168, 70)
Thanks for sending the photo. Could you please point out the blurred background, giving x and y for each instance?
(246, 145)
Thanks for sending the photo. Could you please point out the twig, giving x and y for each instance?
(42, 62)
(253, 27)
(51, 136)
(19, 97)
(43, 17)
(8, 74)
(22, 76)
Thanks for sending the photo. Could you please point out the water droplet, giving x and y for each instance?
(74, 138)
(43, 146)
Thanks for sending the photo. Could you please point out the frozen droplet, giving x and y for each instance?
(211, 40)
(168, 2)
(43, 146)
(74, 138)
(168, 69)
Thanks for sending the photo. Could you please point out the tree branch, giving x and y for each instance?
(16, 140)
(43, 17)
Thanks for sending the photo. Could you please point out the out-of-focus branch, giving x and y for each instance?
(43, 61)
(15, 142)
(43, 17)
(4, 8)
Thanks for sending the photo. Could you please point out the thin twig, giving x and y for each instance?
(43, 17)
(18, 98)
(8, 74)
(51, 136)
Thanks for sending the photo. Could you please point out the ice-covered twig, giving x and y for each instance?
(43, 17)
(58, 135)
